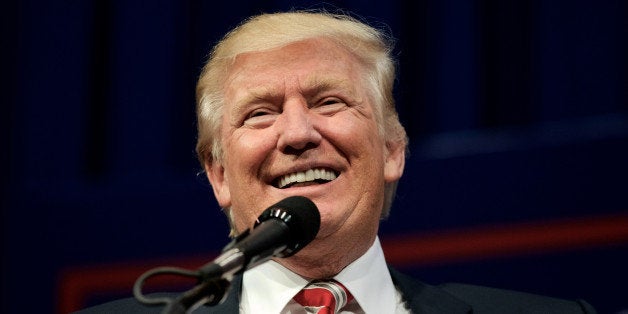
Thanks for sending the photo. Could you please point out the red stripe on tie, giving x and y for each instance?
(324, 297)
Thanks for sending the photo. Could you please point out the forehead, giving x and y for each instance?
(314, 63)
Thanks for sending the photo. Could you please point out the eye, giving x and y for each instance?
(330, 105)
(260, 118)
(258, 113)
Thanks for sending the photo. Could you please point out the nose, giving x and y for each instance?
(296, 129)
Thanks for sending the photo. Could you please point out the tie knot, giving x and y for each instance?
(324, 297)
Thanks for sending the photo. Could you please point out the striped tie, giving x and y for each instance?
(323, 297)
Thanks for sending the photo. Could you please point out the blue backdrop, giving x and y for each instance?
(517, 113)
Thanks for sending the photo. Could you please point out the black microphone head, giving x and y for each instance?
(301, 216)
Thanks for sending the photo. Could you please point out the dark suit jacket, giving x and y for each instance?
(420, 298)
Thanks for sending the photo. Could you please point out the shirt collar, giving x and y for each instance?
(369, 281)
(268, 287)
(367, 278)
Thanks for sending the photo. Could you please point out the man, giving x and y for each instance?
(301, 103)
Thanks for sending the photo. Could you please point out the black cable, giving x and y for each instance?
(139, 283)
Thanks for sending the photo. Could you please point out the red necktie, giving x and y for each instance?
(324, 297)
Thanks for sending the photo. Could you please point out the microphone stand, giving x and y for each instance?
(281, 230)
(210, 292)
(214, 281)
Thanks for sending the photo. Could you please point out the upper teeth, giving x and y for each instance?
(306, 176)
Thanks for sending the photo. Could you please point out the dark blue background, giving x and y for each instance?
(516, 111)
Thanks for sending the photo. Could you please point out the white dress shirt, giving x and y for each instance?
(270, 287)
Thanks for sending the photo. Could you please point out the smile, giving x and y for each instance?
(311, 176)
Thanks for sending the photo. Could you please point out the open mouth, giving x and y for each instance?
(303, 178)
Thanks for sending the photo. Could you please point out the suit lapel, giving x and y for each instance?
(423, 298)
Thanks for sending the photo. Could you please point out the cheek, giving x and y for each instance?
(357, 138)
(247, 149)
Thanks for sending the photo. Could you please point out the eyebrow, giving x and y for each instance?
(313, 86)
(257, 94)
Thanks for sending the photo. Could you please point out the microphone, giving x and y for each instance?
(280, 231)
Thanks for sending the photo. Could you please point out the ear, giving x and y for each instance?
(395, 161)
(220, 184)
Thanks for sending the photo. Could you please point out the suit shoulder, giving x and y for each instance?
(128, 305)
(492, 300)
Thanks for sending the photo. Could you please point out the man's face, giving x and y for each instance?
(298, 120)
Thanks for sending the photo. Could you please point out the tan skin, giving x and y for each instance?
(299, 107)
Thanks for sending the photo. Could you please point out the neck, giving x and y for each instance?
(325, 258)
